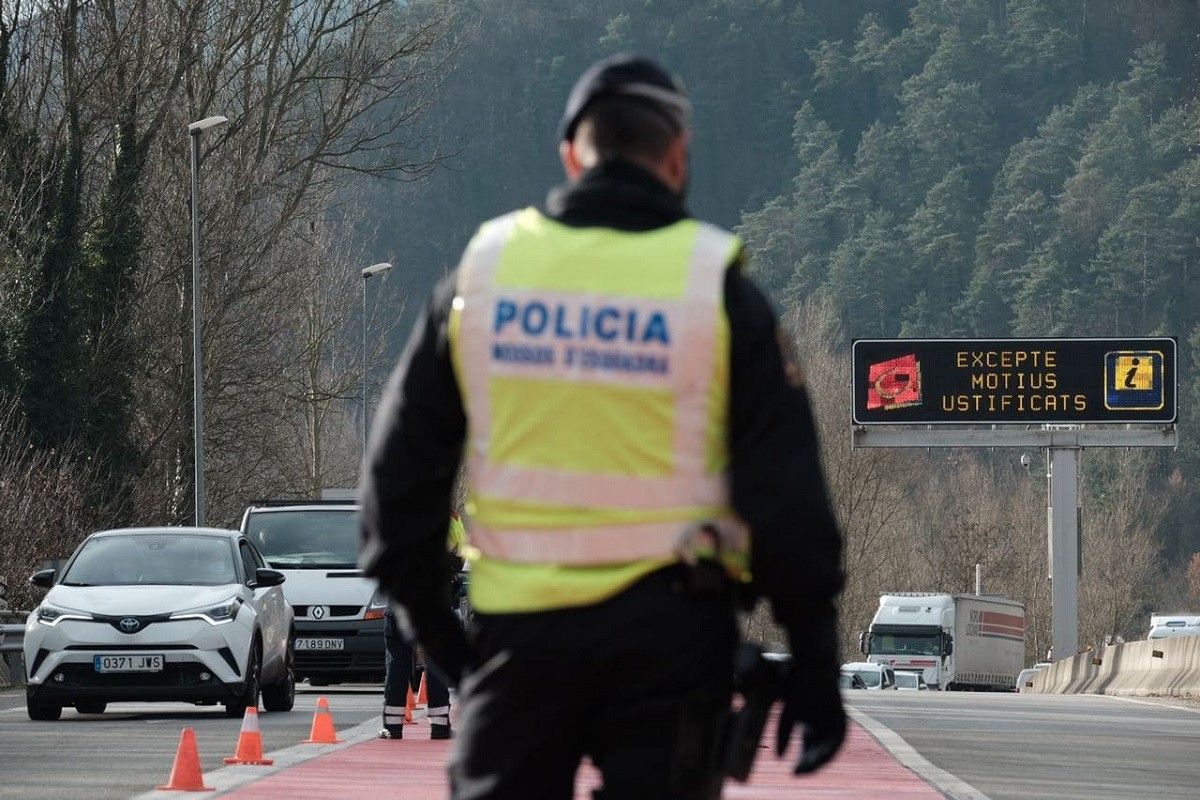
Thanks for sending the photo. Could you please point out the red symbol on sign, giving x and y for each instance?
(895, 383)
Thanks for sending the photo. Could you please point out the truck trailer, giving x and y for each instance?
(958, 641)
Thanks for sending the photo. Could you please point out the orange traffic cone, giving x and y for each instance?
(185, 772)
(322, 726)
(423, 692)
(410, 705)
(249, 746)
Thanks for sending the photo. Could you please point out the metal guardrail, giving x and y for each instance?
(12, 637)
(12, 666)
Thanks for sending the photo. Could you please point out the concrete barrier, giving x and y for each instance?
(1156, 667)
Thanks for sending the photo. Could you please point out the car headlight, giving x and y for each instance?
(378, 606)
(52, 615)
(216, 615)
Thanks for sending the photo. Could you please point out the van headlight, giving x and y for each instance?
(52, 615)
(215, 615)
(377, 607)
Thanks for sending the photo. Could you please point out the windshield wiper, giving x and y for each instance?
(76, 583)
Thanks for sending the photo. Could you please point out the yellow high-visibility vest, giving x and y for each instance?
(594, 368)
(456, 538)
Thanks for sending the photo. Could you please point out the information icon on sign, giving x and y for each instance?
(1133, 380)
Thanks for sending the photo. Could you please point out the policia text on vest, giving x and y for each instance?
(550, 333)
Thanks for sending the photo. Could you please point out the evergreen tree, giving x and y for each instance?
(791, 238)
(866, 277)
(1020, 215)
(940, 237)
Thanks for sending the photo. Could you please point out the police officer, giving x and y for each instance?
(629, 421)
(399, 661)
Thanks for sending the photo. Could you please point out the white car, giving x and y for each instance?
(160, 614)
(910, 681)
(874, 676)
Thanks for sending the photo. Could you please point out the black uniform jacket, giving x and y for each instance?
(776, 481)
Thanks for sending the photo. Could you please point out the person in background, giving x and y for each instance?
(401, 674)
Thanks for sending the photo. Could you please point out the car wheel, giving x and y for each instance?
(318, 680)
(43, 712)
(91, 706)
(250, 690)
(281, 695)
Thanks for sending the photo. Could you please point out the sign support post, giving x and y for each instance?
(1062, 511)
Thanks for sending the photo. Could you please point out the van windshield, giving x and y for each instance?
(306, 539)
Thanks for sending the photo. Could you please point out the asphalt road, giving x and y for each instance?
(1027, 746)
(129, 749)
(1007, 746)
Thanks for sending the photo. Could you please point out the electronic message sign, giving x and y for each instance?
(1014, 381)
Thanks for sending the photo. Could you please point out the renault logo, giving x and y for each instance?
(319, 612)
(130, 624)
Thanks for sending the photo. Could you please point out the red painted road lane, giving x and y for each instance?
(414, 769)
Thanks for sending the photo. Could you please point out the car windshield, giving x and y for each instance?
(850, 681)
(166, 559)
(870, 677)
(907, 680)
(906, 644)
(306, 539)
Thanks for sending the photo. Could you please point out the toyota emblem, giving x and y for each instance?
(319, 612)
(130, 624)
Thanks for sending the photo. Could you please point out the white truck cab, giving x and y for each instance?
(338, 610)
(956, 641)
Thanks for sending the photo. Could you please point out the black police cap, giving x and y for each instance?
(624, 75)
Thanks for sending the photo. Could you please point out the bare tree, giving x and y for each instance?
(46, 509)
(867, 487)
(325, 383)
(1120, 553)
(315, 93)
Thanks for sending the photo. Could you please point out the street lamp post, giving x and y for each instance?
(194, 131)
(367, 273)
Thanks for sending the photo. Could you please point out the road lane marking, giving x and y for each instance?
(952, 786)
(226, 779)
(1149, 703)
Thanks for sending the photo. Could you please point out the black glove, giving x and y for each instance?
(813, 700)
(440, 633)
(811, 697)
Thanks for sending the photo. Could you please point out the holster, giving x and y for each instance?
(760, 681)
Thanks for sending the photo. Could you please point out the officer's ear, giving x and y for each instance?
(676, 163)
(572, 162)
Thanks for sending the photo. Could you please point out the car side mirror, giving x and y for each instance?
(3, 590)
(947, 647)
(264, 578)
(862, 643)
(43, 578)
